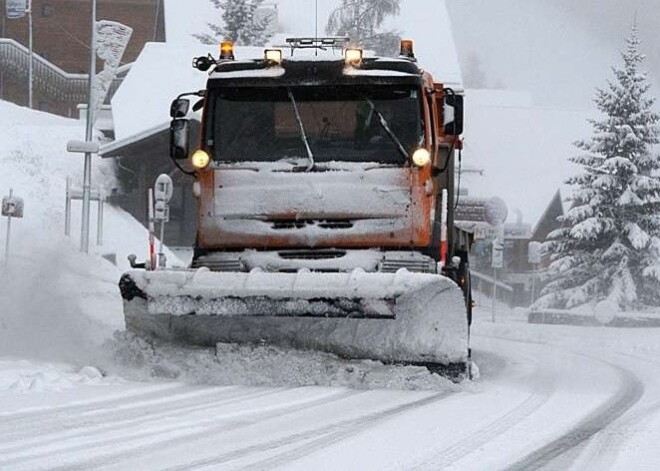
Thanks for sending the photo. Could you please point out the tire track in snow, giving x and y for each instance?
(76, 406)
(544, 387)
(130, 443)
(63, 429)
(317, 438)
(343, 431)
(626, 397)
(114, 410)
(609, 442)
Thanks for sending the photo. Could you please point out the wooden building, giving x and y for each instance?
(140, 160)
(61, 37)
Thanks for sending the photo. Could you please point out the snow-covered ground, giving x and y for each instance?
(78, 393)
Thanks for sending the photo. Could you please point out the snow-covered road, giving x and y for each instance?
(551, 397)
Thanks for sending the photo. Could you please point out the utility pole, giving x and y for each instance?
(2, 72)
(497, 262)
(87, 174)
(30, 65)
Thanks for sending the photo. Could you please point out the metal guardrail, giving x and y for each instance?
(49, 80)
(489, 280)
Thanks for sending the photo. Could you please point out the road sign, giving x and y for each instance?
(16, 9)
(498, 255)
(163, 191)
(164, 188)
(496, 211)
(12, 206)
(497, 260)
(492, 211)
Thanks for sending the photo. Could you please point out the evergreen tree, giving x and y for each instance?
(608, 248)
(360, 20)
(239, 24)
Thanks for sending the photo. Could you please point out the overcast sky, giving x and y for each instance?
(558, 49)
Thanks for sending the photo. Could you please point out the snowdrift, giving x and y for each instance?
(583, 318)
(55, 303)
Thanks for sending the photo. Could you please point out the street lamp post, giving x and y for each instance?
(108, 41)
(87, 173)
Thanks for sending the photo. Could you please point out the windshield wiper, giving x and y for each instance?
(386, 126)
(310, 155)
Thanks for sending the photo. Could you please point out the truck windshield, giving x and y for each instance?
(340, 123)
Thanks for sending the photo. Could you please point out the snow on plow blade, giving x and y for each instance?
(402, 317)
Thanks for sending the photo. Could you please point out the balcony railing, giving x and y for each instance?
(49, 81)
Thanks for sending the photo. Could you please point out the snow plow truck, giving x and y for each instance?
(325, 193)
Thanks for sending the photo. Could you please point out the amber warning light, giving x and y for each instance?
(407, 49)
(226, 51)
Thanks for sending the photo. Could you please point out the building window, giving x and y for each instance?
(47, 10)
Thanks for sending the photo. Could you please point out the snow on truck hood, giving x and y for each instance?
(343, 188)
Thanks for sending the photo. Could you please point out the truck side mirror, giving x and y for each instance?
(179, 108)
(179, 129)
(452, 111)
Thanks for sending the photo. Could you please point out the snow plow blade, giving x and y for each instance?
(401, 318)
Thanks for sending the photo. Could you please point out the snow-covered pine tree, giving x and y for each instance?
(239, 24)
(608, 248)
(361, 19)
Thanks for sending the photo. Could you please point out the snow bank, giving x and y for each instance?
(634, 341)
(29, 377)
(55, 303)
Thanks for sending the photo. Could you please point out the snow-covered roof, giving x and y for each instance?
(160, 74)
(111, 147)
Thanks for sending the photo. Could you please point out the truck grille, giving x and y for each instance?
(215, 264)
(302, 223)
(312, 254)
(420, 266)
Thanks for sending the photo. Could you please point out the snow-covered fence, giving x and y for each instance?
(484, 283)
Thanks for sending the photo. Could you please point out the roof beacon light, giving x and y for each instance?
(353, 56)
(407, 49)
(226, 51)
(200, 159)
(273, 55)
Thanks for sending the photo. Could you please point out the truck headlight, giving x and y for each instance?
(421, 157)
(200, 159)
(273, 55)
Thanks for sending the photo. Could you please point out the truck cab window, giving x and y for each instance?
(261, 125)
